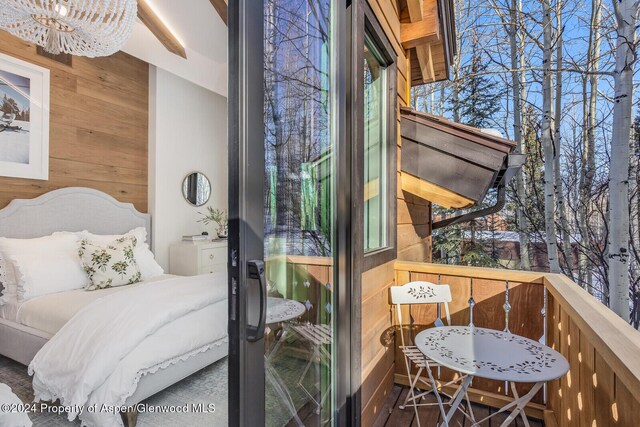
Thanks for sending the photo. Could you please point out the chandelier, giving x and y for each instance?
(78, 27)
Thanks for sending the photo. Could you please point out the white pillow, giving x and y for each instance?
(44, 265)
(147, 264)
(110, 265)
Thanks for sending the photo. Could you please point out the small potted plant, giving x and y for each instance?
(217, 216)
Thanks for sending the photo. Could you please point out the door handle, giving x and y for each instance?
(256, 274)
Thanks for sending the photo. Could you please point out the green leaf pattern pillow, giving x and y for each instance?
(111, 265)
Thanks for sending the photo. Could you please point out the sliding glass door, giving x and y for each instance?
(288, 238)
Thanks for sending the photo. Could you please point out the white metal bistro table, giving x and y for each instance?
(496, 355)
(281, 310)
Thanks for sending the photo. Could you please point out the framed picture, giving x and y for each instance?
(24, 119)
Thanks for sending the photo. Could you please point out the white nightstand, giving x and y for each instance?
(193, 258)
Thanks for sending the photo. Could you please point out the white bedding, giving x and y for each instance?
(10, 413)
(9, 310)
(50, 312)
(99, 355)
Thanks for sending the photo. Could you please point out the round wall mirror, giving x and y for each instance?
(196, 188)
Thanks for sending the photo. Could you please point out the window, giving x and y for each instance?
(375, 148)
(374, 121)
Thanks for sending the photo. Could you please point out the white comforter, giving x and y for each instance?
(98, 357)
(11, 413)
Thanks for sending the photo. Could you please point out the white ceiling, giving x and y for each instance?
(200, 30)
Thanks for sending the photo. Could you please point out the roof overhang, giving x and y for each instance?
(450, 164)
(427, 33)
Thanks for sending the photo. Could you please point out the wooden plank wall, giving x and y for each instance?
(414, 218)
(98, 126)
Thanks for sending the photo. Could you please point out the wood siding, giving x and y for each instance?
(413, 244)
(98, 126)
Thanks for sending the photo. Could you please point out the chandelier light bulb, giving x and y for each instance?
(61, 9)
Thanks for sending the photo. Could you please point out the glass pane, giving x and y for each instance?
(375, 146)
(299, 201)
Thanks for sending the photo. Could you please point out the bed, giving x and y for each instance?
(26, 327)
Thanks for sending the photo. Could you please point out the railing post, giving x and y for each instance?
(438, 307)
(543, 338)
(506, 307)
(472, 302)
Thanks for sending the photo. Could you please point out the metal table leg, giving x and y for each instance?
(520, 403)
(462, 392)
(276, 381)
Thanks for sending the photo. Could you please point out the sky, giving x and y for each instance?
(16, 87)
(479, 20)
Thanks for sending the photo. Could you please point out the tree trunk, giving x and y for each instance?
(587, 170)
(547, 143)
(626, 12)
(559, 192)
(455, 92)
(584, 187)
(518, 132)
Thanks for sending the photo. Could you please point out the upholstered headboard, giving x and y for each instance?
(70, 209)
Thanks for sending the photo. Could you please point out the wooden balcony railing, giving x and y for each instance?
(602, 388)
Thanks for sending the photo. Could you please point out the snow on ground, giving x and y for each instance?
(14, 146)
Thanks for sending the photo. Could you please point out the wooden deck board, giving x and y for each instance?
(392, 416)
(389, 405)
(400, 417)
(428, 415)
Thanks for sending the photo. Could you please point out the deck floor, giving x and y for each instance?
(392, 416)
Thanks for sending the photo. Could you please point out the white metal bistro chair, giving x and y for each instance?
(414, 293)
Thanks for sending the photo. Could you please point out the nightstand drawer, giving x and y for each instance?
(207, 269)
(212, 256)
(193, 258)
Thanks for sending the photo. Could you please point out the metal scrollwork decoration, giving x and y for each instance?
(506, 307)
(472, 302)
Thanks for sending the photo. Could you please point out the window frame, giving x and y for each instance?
(368, 24)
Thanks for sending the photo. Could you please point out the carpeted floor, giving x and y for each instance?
(208, 386)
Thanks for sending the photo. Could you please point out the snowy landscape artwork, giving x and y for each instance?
(14, 121)
(24, 119)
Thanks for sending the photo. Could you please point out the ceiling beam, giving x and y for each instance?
(421, 32)
(159, 29)
(425, 60)
(221, 7)
(415, 10)
(425, 30)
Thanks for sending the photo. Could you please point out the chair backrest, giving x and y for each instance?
(414, 293)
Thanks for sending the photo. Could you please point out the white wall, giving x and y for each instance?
(197, 68)
(187, 133)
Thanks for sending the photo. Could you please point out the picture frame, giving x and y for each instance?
(24, 119)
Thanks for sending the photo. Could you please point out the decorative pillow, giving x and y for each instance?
(147, 264)
(3, 281)
(43, 265)
(111, 265)
(8, 281)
